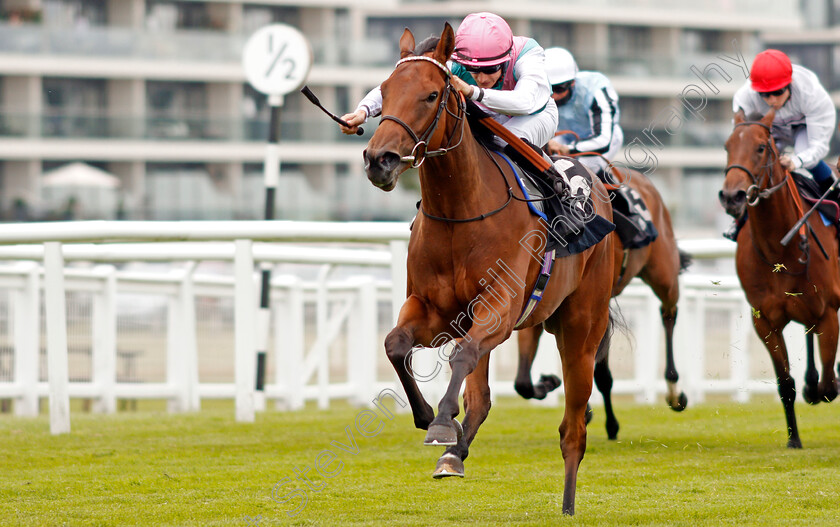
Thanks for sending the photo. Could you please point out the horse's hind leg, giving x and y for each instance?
(775, 344)
(604, 382)
(662, 279)
(676, 398)
(398, 346)
(528, 340)
(476, 408)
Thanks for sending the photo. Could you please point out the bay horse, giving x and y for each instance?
(658, 264)
(469, 275)
(798, 282)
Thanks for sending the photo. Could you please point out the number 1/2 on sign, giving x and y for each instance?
(277, 59)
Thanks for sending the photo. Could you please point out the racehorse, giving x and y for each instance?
(468, 274)
(799, 282)
(658, 264)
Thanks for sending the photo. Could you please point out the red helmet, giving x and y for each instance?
(771, 71)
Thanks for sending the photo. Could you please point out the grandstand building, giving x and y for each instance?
(153, 91)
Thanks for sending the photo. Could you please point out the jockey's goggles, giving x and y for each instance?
(776, 93)
(483, 69)
(562, 87)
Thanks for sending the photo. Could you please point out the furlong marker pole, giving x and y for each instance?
(272, 178)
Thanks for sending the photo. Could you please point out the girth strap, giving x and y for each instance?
(539, 288)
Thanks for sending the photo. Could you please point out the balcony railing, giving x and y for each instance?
(196, 127)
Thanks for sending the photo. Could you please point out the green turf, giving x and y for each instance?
(719, 463)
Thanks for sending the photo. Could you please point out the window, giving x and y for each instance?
(629, 41)
(74, 107)
(553, 34)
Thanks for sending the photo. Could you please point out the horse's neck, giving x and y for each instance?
(773, 217)
(456, 185)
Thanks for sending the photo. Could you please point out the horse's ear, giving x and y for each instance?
(767, 120)
(446, 44)
(739, 116)
(406, 44)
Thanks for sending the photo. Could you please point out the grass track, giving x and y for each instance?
(719, 463)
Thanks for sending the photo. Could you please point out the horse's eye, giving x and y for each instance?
(432, 97)
(761, 149)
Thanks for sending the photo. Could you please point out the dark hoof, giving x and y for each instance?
(680, 404)
(551, 382)
(447, 466)
(441, 435)
(831, 393)
(589, 414)
(810, 393)
(612, 430)
(794, 443)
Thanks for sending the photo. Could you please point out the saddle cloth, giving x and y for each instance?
(544, 202)
(633, 222)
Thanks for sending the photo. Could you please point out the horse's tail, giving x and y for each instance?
(685, 260)
(616, 321)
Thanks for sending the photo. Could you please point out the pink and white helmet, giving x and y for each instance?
(483, 39)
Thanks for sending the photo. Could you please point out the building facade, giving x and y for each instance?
(153, 92)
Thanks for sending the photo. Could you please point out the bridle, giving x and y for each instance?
(419, 152)
(755, 192)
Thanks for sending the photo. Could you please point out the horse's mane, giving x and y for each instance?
(474, 112)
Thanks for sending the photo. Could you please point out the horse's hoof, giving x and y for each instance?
(612, 430)
(810, 393)
(680, 404)
(447, 466)
(550, 381)
(589, 413)
(830, 394)
(441, 435)
(794, 443)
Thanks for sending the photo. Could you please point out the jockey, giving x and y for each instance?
(587, 105)
(805, 115)
(503, 73)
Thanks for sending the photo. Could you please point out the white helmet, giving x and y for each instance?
(560, 66)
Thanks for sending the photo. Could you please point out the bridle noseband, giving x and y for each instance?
(419, 152)
(755, 193)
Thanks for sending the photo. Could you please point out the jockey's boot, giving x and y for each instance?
(733, 230)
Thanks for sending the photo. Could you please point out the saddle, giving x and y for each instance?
(572, 225)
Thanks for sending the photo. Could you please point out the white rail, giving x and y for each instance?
(336, 355)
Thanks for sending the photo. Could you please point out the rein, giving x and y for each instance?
(419, 152)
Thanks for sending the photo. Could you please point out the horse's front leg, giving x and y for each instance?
(491, 325)
(775, 344)
(476, 408)
(398, 346)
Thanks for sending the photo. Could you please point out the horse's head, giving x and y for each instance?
(750, 154)
(413, 99)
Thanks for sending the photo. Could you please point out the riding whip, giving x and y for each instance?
(314, 100)
(804, 218)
